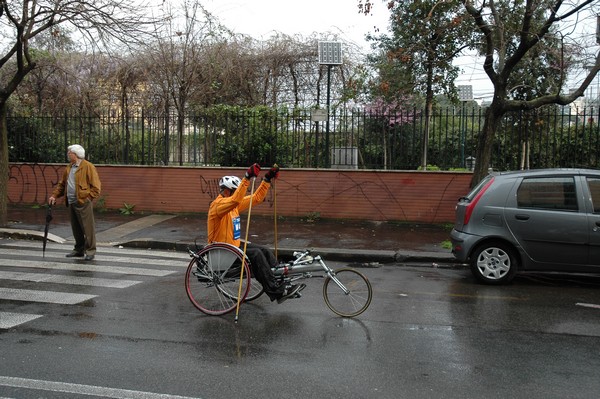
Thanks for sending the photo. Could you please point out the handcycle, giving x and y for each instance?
(212, 280)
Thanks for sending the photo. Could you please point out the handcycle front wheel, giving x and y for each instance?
(347, 292)
(212, 279)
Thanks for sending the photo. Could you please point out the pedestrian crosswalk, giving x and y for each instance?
(60, 279)
(27, 277)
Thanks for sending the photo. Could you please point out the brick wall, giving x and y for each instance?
(408, 196)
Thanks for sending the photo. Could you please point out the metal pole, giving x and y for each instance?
(143, 151)
(462, 135)
(167, 124)
(316, 161)
(327, 165)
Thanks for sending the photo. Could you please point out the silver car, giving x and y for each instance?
(535, 220)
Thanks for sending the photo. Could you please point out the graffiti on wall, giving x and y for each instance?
(210, 188)
(32, 183)
(370, 195)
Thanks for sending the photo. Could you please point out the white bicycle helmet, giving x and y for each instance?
(230, 182)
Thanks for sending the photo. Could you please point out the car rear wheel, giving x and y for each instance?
(494, 263)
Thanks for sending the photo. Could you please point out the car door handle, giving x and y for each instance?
(522, 217)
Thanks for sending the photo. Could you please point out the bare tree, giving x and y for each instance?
(176, 59)
(511, 30)
(96, 21)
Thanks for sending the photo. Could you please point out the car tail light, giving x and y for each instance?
(470, 207)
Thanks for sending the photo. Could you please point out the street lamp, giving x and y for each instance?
(330, 54)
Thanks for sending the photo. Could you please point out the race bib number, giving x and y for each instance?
(237, 228)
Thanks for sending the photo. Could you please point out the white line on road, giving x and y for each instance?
(10, 320)
(588, 305)
(36, 248)
(62, 279)
(85, 267)
(103, 258)
(81, 389)
(63, 298)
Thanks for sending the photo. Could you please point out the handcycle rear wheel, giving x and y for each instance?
(212, 279)
(256, 289)
(355, 301)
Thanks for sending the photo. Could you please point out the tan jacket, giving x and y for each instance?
(87, 183)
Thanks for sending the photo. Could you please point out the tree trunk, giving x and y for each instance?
(483, 155)
(3, 166)
(428, 106)
(180, 129)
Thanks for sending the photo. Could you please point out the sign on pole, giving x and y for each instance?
(318, 115)
(330, 53)
(465, 92)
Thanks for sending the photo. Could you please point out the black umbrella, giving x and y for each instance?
(48, 219)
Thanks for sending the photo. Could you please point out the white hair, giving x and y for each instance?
(77, 150)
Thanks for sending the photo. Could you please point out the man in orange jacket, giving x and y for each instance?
(224, 225)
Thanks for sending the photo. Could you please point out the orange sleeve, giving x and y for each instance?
(257, 198)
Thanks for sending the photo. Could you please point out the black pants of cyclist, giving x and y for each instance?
(261, 261)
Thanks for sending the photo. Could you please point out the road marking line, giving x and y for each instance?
(588, 305)
(10, 320)
(62, 279)
(63, 298)
(80, 389)
(36, 247)
(85, 267)
(103, 257)
(512, 298)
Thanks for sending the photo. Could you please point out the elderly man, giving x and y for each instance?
(81, 185)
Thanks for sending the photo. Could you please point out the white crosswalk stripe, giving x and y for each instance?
(60, 279)
(99, 257)
(9, 319)
(85, 267)
(36, 250)
(43, 296)
(19, 261)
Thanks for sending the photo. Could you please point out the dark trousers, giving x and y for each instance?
(84, 227)
(261, 261)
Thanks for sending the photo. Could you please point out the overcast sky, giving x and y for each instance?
(261, 18)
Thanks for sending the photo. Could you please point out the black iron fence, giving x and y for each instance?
(547, 137)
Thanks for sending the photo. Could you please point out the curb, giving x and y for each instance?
(30, 235)
(334, 254)
(354, 256)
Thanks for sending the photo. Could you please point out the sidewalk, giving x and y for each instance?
(340, 240)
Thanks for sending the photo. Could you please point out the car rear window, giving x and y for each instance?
(594, 185)
(473, 193)
(556, 193)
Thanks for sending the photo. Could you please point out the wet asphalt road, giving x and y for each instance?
(429, 333)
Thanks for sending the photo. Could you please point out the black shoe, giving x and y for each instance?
(89, 257)
(74, 254)
(290, 292)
